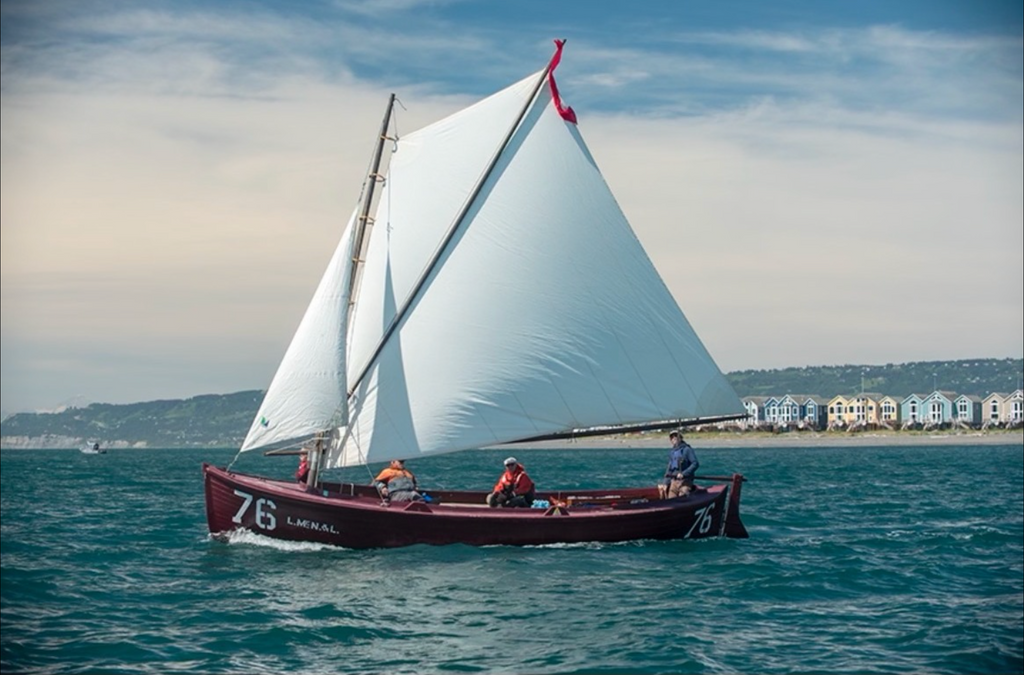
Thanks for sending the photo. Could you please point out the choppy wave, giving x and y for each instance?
(864, 560)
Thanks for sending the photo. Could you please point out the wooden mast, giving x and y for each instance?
(360, 241)
(365, 221)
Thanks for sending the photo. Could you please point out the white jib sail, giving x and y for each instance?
(307, 395)
(544, 315)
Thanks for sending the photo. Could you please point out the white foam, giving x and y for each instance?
(247, 537)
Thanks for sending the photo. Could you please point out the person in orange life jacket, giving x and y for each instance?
(514, 488)
(397, 484)
(302, 473)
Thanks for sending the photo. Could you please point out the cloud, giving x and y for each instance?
(876, 69)
(175, 180)
(790, 251)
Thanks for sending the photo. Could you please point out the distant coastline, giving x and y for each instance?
(809, 439)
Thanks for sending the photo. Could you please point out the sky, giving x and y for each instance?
(818, 183)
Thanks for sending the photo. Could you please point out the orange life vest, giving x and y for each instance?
(516, 481)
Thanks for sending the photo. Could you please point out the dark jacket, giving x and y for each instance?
(682, 459)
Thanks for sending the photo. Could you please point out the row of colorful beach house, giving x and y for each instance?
(938, 409)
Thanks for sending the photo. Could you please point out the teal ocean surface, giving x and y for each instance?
(861, 559)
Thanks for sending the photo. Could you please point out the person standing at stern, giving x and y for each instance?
(682, 466)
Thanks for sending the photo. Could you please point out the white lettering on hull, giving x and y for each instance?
(702, 521)
(265, 518)
(311, 525)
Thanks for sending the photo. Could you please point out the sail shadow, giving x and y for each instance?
(393, 433)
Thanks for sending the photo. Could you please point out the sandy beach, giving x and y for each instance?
(792, 440)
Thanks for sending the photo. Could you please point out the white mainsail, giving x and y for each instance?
(543, 315)
(307, 395)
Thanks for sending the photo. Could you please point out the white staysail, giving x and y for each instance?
(307, 395)
(543, 315)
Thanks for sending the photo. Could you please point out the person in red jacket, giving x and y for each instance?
(302, 473)
(514, 488)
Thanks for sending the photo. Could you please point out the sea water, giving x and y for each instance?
(860, 559)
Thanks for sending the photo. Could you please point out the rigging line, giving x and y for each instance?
(363, 460)
(233, 460)
(361, 456)
(450, 234)
(394, 123)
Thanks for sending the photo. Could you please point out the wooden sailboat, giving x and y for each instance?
(501, 297)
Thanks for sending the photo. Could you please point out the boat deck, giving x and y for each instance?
(355, 516)
(547, 501)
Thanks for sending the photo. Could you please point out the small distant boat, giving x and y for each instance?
(93, 449)
(503, 299)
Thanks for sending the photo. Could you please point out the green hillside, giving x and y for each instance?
(222, 420)
(980, 377)
(212, 420)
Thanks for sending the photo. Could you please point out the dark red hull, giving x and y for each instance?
(353, 516)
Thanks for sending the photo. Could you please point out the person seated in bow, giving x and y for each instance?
(514, 488)
(397, 484)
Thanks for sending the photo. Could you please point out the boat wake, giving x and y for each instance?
(246, 537)
(591, 545)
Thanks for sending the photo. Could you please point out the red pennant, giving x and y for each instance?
(566, 112)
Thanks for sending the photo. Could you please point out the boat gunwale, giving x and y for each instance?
(340, 500)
